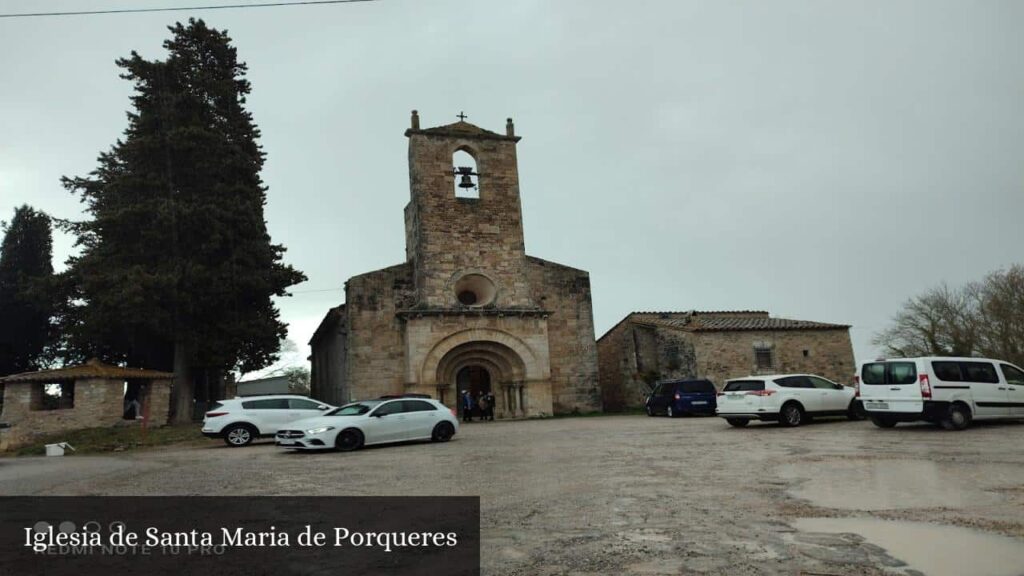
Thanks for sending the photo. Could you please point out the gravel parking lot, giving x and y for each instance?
(646, 496)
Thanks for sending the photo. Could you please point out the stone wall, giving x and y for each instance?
(634, 356)
(97, 403)
(565, 293)
(375, 362)
(725, 355)
(329, 355)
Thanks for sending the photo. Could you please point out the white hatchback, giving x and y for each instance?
(239, 421)
(789, 399)
(369, 422)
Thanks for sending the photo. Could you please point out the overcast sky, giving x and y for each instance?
(819, 160)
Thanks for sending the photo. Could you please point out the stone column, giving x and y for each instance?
(510, 399)
(522, 399)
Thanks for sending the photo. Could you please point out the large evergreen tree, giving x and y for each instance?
(26, 271)
(177, 270)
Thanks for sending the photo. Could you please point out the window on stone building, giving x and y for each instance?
(763, 358)
(53, 396)
(467, 180)
(807, 353)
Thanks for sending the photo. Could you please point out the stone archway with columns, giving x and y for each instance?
(519, 373)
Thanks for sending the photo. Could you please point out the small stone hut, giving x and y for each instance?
(91, 395)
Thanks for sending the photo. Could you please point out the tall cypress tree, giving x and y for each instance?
(26, 305)
(177, 269)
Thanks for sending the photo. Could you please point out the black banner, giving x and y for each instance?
(252, 536)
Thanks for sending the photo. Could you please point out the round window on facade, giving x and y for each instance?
(475, 290)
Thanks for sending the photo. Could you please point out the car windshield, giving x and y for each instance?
(353, 409)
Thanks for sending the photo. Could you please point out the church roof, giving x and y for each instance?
(334, 315)
(723, 321)
(462, 129)
(91, 369)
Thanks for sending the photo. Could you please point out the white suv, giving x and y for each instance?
(239, 421)
(380, 421)
(789, 399)
(946, 391)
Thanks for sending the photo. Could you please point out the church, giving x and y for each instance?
(468, 309)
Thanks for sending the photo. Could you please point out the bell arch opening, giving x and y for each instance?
(467, 178)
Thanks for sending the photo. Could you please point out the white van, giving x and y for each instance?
(946, 391)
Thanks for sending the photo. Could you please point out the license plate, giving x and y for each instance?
(699, 402)
(877, 405)
(285, 443)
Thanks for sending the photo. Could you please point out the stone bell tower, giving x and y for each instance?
(465, 251)
(468, 311)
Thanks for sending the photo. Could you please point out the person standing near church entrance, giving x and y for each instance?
(489, 398)
(467, 406)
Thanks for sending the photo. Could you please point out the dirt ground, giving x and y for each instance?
(633, 495)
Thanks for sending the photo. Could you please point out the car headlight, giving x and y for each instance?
(319, 430)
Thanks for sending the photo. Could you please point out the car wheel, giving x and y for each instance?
(958, 417)
(347, 440)
(649, 411)
(443, 432)
(737, 422)
(856, 411)
(791, 415)
(883, 422)
(670, 412)
(238, 435)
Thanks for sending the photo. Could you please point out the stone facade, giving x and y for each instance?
(98, 401)
(468, 307)
(647, 347)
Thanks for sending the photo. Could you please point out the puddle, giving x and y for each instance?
(929, 548)
(899, 484)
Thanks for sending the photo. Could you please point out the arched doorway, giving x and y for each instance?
(476, 380)
(483, 366)
(519, 377)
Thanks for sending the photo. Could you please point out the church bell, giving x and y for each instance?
(466, 173)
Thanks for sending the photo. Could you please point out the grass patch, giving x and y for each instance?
(98, 440)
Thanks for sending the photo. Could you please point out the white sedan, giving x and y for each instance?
(369, 422)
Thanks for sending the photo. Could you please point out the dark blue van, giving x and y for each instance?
(682, 397)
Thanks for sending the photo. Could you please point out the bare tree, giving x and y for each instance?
(943, 321)
(1001, 314)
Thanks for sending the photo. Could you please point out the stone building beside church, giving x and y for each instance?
(468, 309)
(647, 347)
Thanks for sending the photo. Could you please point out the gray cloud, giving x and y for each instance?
(821, 160)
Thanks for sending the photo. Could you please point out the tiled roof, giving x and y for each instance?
(727, 321)
(333, 316)
(91, 369)
(692, 312)
(701, 323)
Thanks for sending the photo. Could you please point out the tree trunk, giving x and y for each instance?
(183, 393)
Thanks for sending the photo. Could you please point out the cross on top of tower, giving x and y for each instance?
(462, 116)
